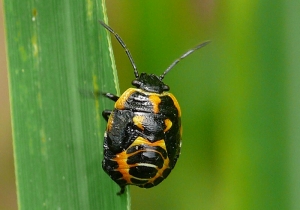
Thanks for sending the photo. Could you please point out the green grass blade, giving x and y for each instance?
(55, 50)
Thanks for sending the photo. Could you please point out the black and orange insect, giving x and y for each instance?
(142, 140)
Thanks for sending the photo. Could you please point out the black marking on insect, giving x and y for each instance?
(142, 140)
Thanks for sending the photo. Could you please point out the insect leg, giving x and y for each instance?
(106, 114)
(111, 96)
(122, 190)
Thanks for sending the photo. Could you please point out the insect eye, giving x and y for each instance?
(136, 83)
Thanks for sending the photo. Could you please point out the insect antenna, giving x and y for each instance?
(136, 73)
(182, 57)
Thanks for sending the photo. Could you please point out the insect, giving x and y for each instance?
(142, 140)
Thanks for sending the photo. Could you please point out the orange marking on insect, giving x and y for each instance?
(120, 103)
(176, 104)
(124, 167)
(168, 124)
(138, 121)
(110, 122)
(155, 100)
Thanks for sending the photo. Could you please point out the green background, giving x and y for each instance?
(239, 98)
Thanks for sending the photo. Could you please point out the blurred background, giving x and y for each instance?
(239, 98)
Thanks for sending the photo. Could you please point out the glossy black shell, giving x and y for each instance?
(143, 137)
